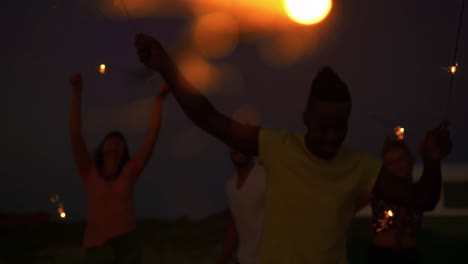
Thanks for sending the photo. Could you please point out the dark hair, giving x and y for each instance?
(99, 159)
(328, 86)
(392, 143)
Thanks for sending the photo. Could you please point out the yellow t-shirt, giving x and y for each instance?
(310, 202)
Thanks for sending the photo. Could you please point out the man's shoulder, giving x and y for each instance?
(353, 152)
(279, 135)
(274, 131)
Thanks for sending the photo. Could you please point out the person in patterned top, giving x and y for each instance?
(395, 227)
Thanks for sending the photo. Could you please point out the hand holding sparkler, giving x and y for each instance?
(151, 52)
(437, 143)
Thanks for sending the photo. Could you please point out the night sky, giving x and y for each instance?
(389, 52)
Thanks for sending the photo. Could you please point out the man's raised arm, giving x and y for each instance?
(238, 136)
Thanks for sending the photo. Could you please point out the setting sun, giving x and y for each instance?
(307, 12)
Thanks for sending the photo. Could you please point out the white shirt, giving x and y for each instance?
(247, 206)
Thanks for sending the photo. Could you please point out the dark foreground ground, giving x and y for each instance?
(442, 240)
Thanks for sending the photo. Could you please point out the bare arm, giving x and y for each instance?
(146, 149)
(241, 137)
(425, 194)
(80, 153)
(230, 243)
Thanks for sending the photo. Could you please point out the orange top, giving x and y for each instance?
(110, 206)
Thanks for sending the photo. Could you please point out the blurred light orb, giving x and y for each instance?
(198, 71)
(453, 69)
(102, 68)
(216, 34)
(307, 12)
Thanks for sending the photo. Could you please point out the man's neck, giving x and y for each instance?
(315, 153)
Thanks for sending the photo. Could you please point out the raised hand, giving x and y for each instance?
(437, 143)
(151, 52)
(197, 107)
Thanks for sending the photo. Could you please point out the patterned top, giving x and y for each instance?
(387, 215)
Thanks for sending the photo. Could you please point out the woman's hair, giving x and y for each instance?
(99, 155)
(393, 143)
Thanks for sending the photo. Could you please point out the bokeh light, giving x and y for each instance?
(288, 47)
(216, 27)
(216, 34)
(102, 68)
(198, 71)
(256, 17)
(137, 8)
(308, 12)
(399, 132)
(453, 69)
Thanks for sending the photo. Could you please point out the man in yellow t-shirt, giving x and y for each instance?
(310, 201)
(312, 178)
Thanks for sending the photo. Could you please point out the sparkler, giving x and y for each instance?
(130, 21)
(399, 132)
(55, 199)
(387, 221)
(389, 213)
(102, 68)
(454, 67)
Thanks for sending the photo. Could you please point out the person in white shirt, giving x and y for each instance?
(246, 195)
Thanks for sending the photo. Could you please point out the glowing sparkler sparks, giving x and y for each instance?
(386, 221)
(61, 213)
(399, 132)
(55, 199)
(390, 213)
(453, 69)
(102, 68)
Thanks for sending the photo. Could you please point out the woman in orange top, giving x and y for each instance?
(109, 180)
